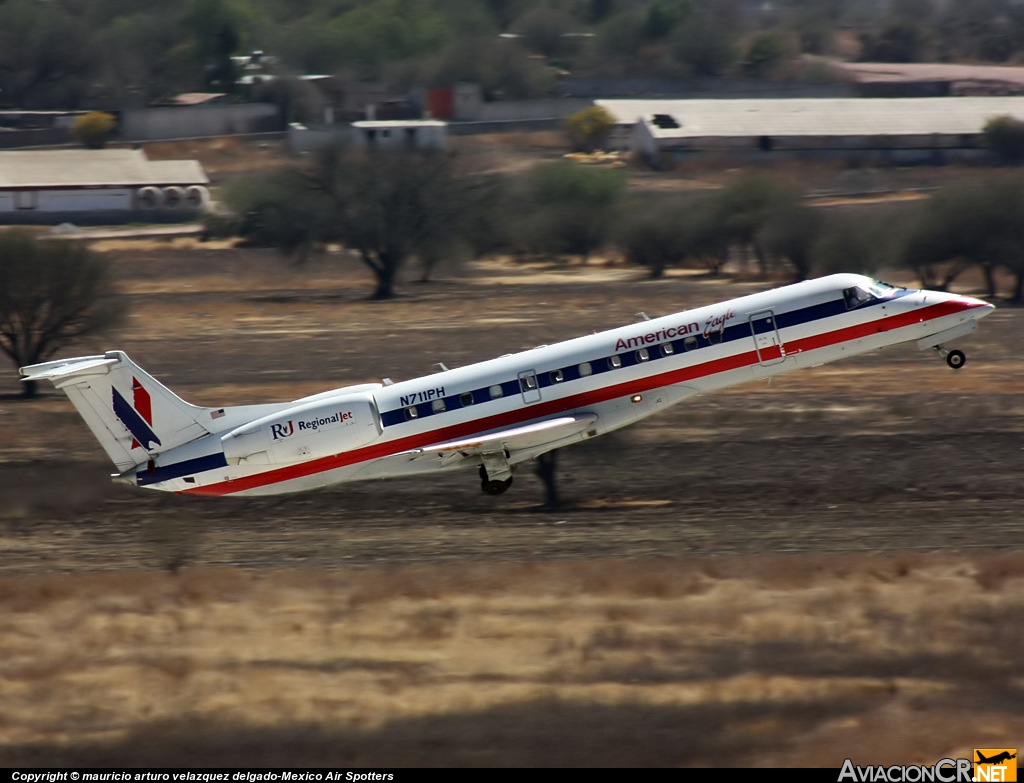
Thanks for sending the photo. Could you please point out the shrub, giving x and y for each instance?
(589, 129)
(1005, 136)
(93, 129)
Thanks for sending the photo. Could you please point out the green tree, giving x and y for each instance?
(703, 44)
(45, 57)
(278, 209)
(901, 41)
(52, 292)
(214, 28)
(1005, 136)
(571, 207)
(961, 226)
(654, 236)
(859, 242)
(766, 53)
(746, 206)
(546, 31)
(662, 232)
(663, 16)
(790, 232)
(93, 129)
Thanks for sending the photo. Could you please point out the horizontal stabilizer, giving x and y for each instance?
(66, 369)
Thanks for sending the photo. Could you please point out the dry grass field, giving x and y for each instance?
(828, 567)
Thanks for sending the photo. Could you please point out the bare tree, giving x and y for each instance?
(389, 207)
(52, 292)
(386, 207)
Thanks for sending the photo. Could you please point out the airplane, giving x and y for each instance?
(996, 759)
(497, 414)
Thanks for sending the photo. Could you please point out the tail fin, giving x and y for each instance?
(133, 416)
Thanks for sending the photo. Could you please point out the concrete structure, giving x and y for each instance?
(894, 130)
(180, 122)
(422, 135)
(117, 185)
(468, 105)
(36, 128)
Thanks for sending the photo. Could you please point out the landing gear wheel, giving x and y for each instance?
(495, 487)
(956, 359)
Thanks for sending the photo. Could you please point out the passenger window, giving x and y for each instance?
(667, 349)
(411, 413)
(528, 382)
(496, 392)
(585, 369)
(642, 355)
(614, 362)
(437, 405)
(556, 376)
(466, 398)
(715, 337)
(690, 343)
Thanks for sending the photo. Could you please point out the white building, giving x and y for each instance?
(420, 135)
(114, 184)
(899, 130)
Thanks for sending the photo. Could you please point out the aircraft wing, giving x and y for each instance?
(531, 436)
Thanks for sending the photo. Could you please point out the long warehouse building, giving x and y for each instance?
(893, 130)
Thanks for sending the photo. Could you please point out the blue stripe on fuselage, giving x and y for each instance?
(189, 467)
(629, 358)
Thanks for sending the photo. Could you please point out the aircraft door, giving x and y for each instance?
(767, 341)
(529, 386)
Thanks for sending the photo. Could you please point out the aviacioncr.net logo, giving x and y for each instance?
(995, 765)
(943, 771)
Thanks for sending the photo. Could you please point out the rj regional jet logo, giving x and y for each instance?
(995, 764)
(285, 429)
(279, 431)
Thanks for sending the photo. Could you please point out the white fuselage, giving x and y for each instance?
(612, 379)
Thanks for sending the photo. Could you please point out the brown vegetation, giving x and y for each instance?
(798, 660)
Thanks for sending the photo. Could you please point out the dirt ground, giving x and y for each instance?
(829, 566)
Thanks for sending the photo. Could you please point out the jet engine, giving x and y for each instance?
(304, 432)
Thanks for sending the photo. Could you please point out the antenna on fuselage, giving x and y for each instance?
(441, 365)
(643, 316)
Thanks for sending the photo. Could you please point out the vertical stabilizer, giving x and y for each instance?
(133, 416)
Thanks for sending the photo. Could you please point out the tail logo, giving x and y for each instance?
(138, 418)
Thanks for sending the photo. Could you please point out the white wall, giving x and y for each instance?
(177, 122)
(424, 137)
(71, 200)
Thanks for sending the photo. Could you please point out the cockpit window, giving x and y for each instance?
(856, 296)
(882, 290)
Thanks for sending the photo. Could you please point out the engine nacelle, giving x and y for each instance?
(309, 431)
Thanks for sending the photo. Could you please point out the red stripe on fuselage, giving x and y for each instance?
(605, 393)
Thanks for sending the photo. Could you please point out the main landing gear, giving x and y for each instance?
(491, 486)
(955, 359)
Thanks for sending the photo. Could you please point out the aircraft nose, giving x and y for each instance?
(980, 307)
